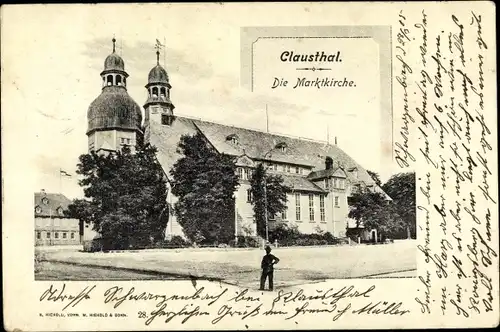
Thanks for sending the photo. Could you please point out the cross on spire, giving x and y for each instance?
(157, 47)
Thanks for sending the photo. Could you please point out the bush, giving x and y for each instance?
(39, 258)
(284, 233)
(290, 236)
(246, 242)
(178, 241)
(93, 245)
(175, 242)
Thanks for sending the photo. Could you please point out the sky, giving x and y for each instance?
(54, 64)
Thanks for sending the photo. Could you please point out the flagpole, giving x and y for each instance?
(328, 133)
(164, 52)
(60, 181)
(267, 120)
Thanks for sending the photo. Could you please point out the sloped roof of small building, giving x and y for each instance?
(324, 173)
(48, 204)
(300, 183)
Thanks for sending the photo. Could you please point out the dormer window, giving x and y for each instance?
(281, 147)
(60, 211)
(233, 139)
(45, 200)
(38, 209)
(354, 172)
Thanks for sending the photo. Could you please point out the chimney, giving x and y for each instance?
(328, 163)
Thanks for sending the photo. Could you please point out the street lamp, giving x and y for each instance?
(265, 198)
(235, 219)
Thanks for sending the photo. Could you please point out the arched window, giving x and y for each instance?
(118, 80)
(162, 92)
(155, 92)
(109, 80)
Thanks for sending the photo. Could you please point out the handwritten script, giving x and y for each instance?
(222, 305)
(446, 132)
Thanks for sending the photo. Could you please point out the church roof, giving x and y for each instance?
(114, 108)
(255, 144)
(50, 205)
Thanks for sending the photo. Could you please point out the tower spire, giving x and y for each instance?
(114, 41)
(158, 45)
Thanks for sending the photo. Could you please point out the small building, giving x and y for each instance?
(52, 227)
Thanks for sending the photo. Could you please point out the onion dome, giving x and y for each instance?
(157, 75)
(114, 109)
(114, 62)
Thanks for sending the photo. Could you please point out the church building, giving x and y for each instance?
(321, 176)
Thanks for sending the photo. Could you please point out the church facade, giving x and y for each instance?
(321, 176)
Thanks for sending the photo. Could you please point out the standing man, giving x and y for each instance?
(267, 264)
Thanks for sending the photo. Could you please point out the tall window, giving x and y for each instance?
(297, 207)
(65, 235)
(248, 173)
(284, 215)
(72, 235)
(275, 167)
(56, 235)
(240, 173)
(322, 207)
(249, 195)
(311, 207)
(297, 169)
(48, 235)
(336, 201)
(327, 184)
(288, 168)
(38, 235)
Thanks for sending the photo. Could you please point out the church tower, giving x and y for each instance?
(114, 118)
(158, 107)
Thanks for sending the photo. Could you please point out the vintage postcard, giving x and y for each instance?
(249, 166)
